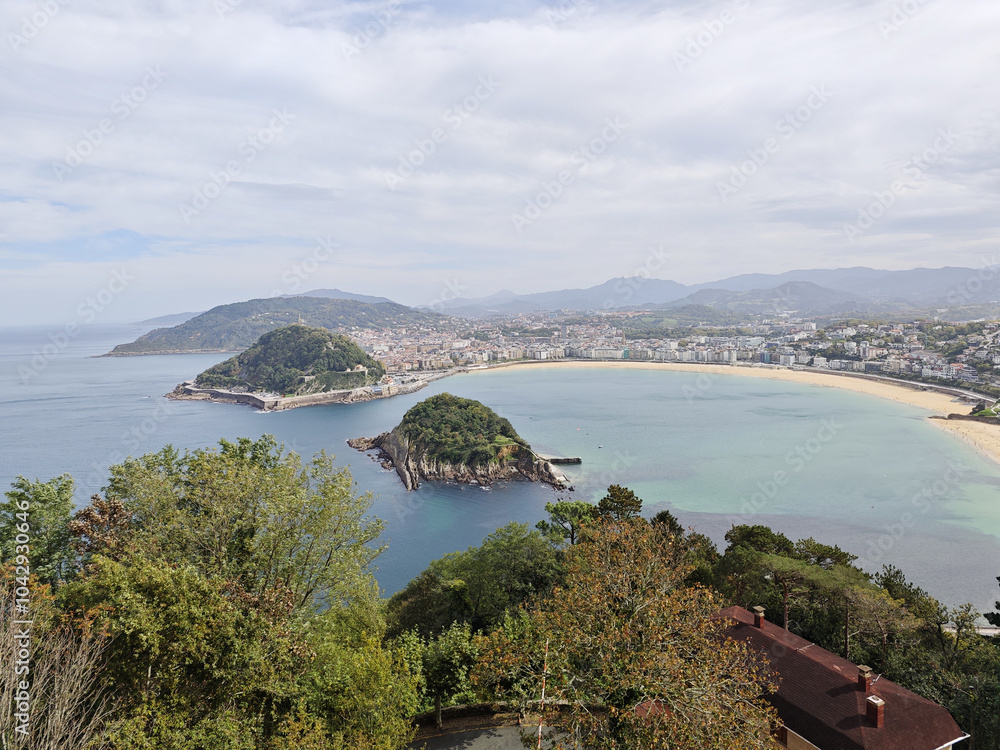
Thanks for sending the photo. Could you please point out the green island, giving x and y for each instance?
(296, 360)
(234, 327)
(461, 431)
(446, 437)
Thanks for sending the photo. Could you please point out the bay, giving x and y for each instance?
(868, 474)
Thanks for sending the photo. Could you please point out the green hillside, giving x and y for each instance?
(296, 360)
(457, 430)
(237, 326)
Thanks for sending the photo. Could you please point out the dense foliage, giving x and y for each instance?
(223, 599)
(624, 631)
(454, 430)
(237, 326)
(479, 586)
(296, 359)
(216, 599)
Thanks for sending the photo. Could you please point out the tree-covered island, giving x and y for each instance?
(457, 439)
(296, 360)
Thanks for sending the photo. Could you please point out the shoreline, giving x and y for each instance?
(983, 438)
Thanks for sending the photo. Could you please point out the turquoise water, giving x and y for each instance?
(870, 475)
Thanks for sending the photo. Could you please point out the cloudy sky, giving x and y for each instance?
(186, 153)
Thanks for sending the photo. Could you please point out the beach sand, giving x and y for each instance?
(984, 438)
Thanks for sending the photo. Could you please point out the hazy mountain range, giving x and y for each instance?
(808, 292)
(968, 293)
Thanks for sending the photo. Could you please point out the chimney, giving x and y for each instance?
(758, 617)
(865, 679)
(876, 711)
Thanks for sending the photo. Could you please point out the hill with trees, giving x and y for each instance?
(294, 361)
(235, 327)
(459, 439)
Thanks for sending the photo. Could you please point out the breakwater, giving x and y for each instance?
(971, 418)
(188, 391)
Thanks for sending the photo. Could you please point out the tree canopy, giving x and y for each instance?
(296, 359)
(454, 430)
(624, 633)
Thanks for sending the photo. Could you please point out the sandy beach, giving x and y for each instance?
(985, 438)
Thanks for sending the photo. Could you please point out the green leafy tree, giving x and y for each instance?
(620, 504)
(362, 689)
(41, 511)
(448, 660)
(566, 520)
(477, 586)
(993, 618)
(624, 634)
(188, 657)
(668, 521)
(252, 514)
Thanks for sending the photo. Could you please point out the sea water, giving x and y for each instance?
(870, 475)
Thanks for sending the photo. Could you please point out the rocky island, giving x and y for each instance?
(294, 366)
(449, 438)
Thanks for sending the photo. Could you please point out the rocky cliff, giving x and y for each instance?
(413, 465)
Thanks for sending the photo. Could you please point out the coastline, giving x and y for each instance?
(984, 438)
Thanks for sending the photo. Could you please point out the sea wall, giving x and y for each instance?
(973, 418)
(188, 391)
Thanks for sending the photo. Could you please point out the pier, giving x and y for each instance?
(558, 460)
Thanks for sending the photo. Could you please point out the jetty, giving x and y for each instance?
(558, 459)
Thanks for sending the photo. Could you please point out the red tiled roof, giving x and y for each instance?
(819, 699)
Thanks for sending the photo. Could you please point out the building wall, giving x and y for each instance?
(797, 743)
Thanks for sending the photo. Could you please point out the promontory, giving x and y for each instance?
(293, 366)
(446, 437)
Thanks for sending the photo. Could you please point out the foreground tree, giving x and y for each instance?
(447, 661)
(993, 618)
(234, 586)
(620, 504)
(254, 515)
(477, 586)
(566, 520)
(635, 657)
(67, 701)
(40, 510)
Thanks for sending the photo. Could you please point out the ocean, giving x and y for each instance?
(870, 475)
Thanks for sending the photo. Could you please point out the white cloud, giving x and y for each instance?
(356, 111)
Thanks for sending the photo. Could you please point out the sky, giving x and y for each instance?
(162, 156)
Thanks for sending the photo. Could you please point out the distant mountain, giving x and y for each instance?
(811, 291)
(920, 286)
(338, 294)
(803, 297)
(616, 293)
(168, 320)
(236, 327)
